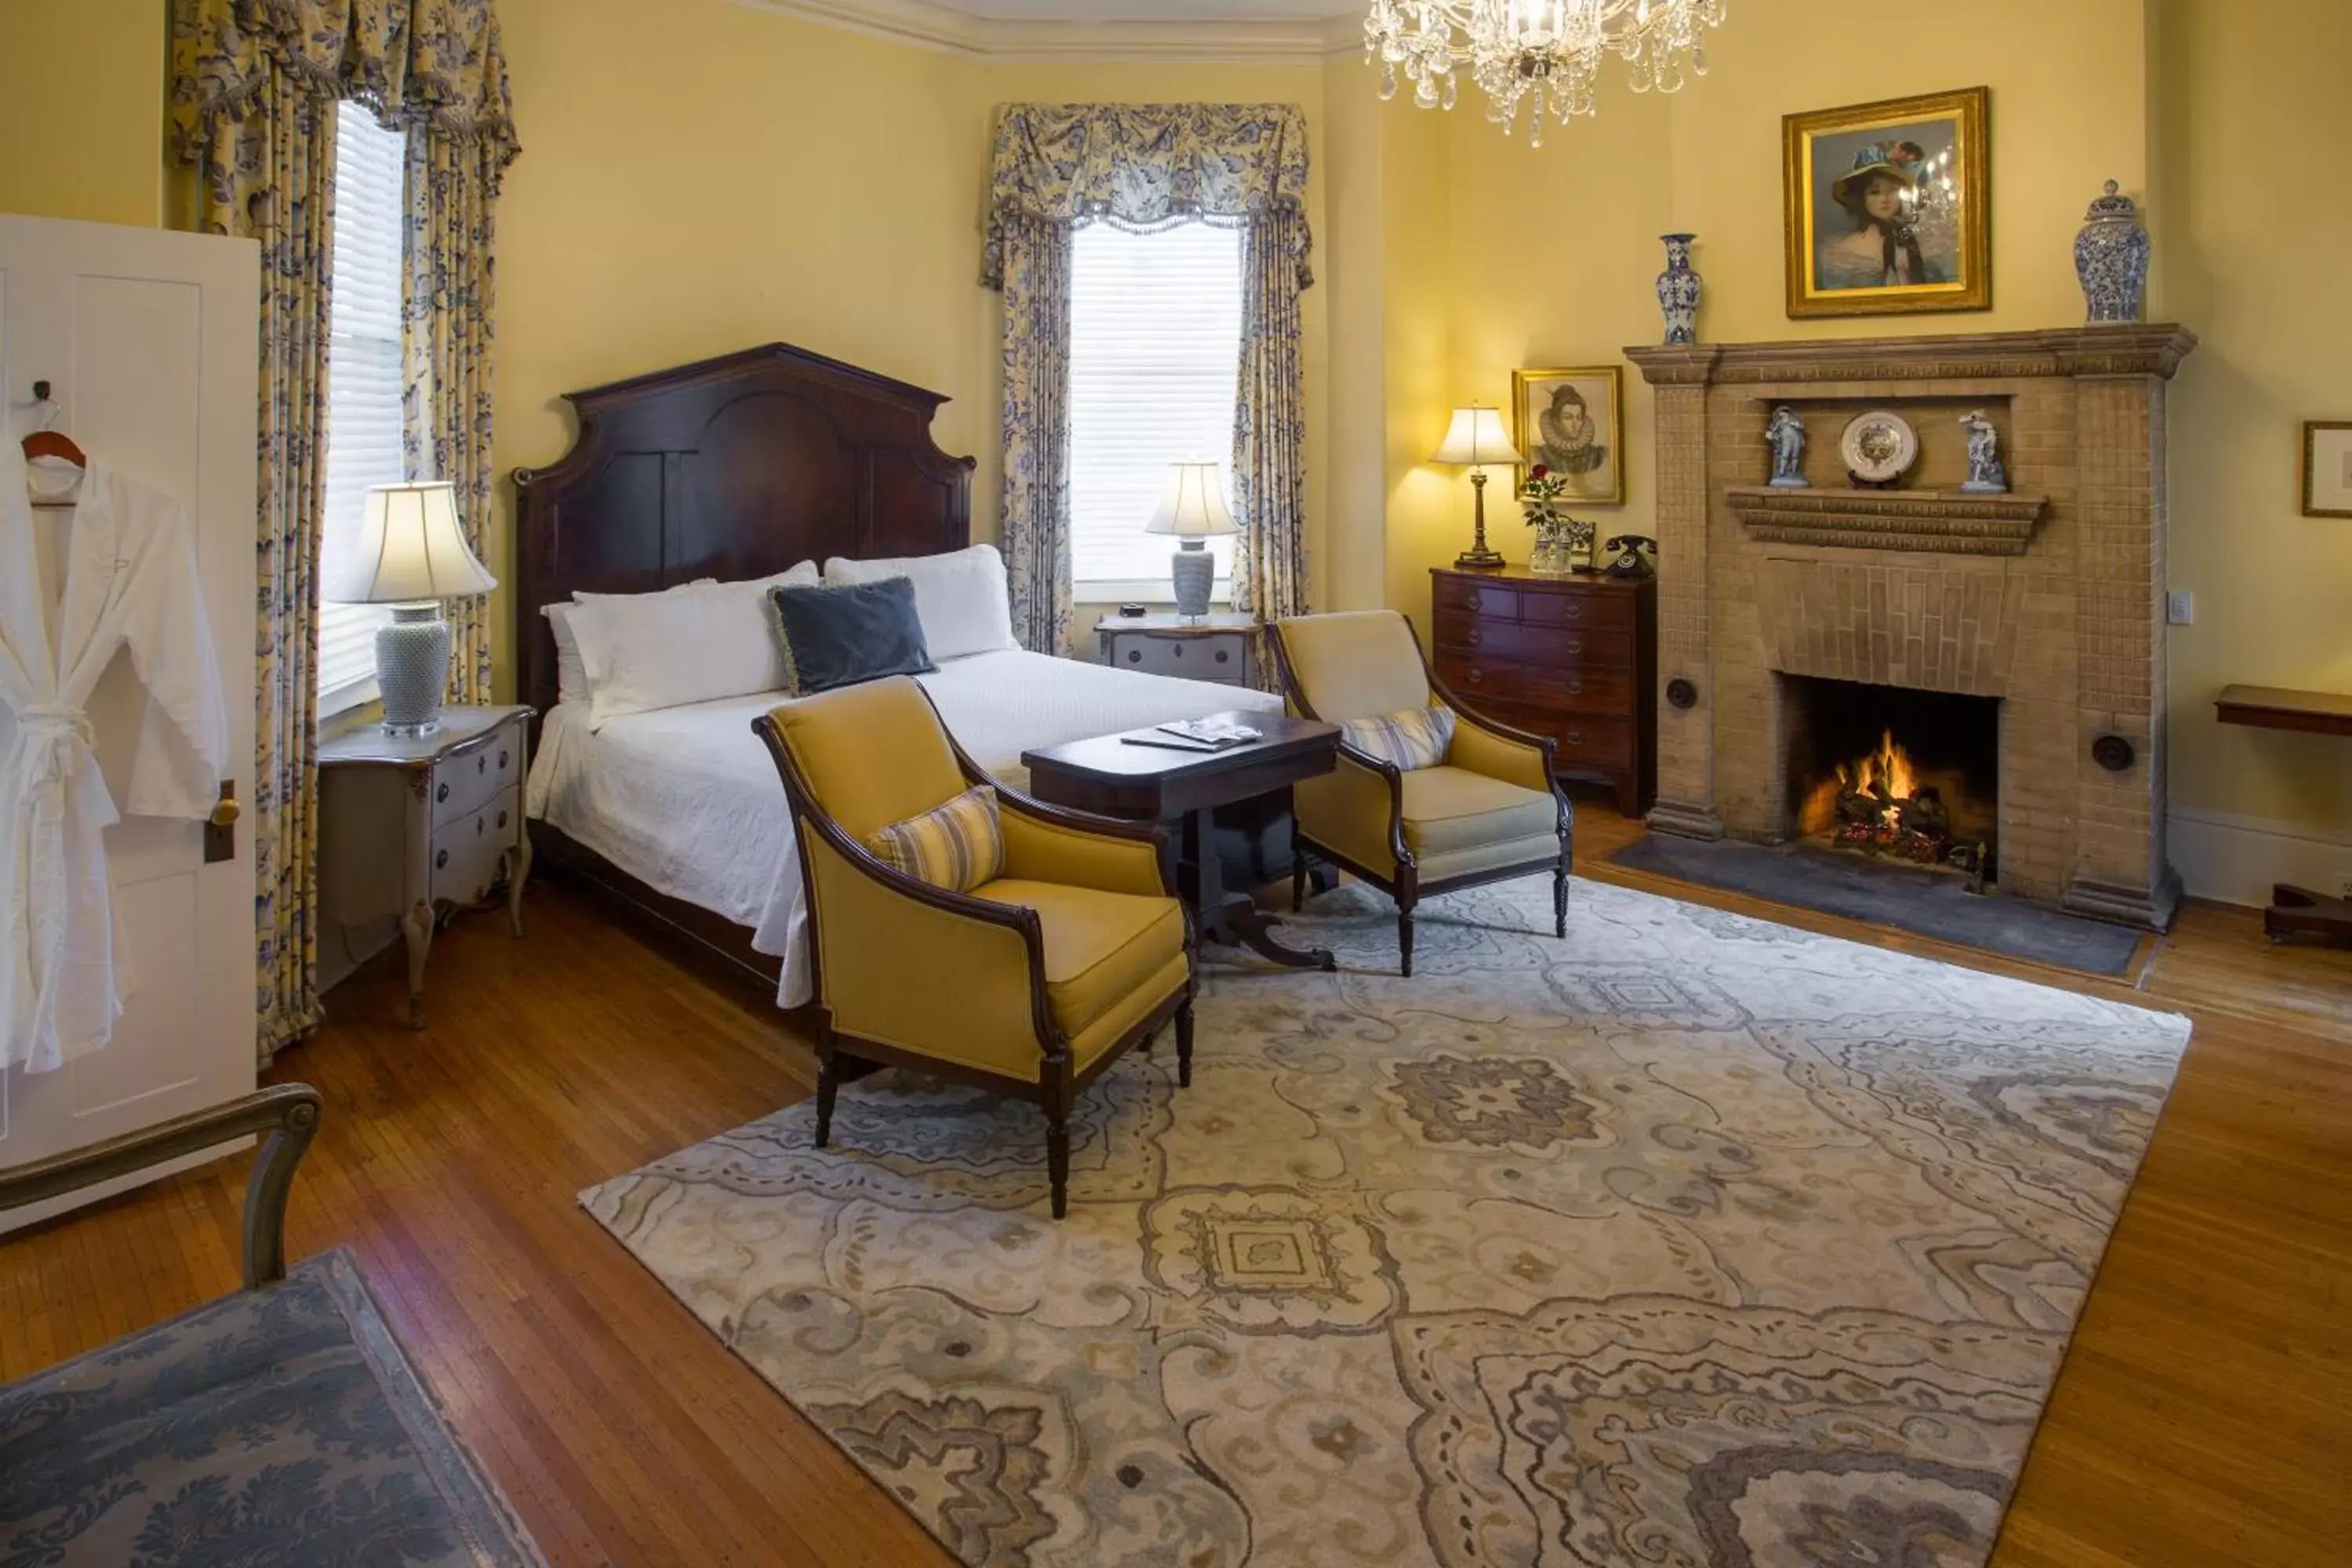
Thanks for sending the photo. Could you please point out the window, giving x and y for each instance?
(1155, 346)
(363, 424)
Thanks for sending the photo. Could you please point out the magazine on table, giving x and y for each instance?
(1196, 736)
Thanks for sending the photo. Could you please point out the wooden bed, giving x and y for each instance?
(733, 467)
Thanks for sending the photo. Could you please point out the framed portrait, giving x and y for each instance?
(1889, 207)
(1573, 423)
(2328, 468)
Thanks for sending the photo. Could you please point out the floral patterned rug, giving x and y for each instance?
(1688, 1240)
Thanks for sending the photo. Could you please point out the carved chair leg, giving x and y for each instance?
(1299, 867)
(1404, 941)
(828, 1085)
(1185, 1045)
(1560, 897)
(1057, 1162)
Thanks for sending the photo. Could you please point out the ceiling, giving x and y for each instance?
(1101, 29)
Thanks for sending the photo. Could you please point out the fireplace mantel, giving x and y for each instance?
(1951, 522)
(2048, 598)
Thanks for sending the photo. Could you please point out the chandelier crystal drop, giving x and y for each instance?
(1547, 51)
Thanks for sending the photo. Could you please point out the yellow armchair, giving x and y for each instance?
(1489, 811)
(1031, 983)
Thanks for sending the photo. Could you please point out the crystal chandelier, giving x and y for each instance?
(1547, 50)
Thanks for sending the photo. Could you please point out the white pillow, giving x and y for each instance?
(570, 679)
(960, 598)
(665, 651)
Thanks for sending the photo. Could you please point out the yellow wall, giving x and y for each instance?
(2250, 237)
(734, 177)
(82, 109)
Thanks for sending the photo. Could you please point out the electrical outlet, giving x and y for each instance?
(2181, 607)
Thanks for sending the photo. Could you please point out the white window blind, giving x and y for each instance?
(363, 427)
(1155, 346)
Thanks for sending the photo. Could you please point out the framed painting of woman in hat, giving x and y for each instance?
(1888, 207)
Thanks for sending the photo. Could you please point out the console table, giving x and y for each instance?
(2292, 909)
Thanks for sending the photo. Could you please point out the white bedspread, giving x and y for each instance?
(686, 800)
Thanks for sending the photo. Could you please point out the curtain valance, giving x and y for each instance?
(435, 63)
(1145, 164)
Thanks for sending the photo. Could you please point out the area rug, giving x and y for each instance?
(274, 1427)
(1908, 898)
(1690, 1239)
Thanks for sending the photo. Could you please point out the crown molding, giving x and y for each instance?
(924, 25)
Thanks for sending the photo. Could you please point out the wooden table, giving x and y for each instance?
(2293, 908)
(1111, 777)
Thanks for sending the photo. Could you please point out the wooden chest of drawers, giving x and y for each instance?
(1575, 658)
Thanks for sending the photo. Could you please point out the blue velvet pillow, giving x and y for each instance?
(841, 636)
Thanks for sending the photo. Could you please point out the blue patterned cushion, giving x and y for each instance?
(1415, 738)
(957, 846)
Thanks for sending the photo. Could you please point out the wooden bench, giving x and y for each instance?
(2294, 909)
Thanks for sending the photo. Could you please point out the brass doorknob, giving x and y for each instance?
(226, 811)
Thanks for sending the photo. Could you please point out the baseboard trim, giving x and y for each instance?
(2235, 860)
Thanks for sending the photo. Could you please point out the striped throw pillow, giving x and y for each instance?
(1415, 738)
(957, 846)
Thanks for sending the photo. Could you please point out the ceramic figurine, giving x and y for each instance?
(2111, 257)
(1986, 474)
(1786, 436)
(1678, 291)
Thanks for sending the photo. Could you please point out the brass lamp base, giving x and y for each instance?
(1479, 557)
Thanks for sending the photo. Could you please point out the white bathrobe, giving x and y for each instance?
(128, 579)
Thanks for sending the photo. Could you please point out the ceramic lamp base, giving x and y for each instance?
(412, 669)
(1195, 571)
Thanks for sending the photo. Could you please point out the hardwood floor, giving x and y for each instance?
(2204, 1416)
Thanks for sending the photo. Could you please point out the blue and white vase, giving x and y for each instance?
(2111, 257)
(1678, 291)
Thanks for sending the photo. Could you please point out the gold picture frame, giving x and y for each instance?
(1573, 421)
(1931, 250)
(2338, 490)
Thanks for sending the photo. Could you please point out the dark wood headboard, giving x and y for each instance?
(733, 467)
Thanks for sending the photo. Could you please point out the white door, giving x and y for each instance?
(148, 341)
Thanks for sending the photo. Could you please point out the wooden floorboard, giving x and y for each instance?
(2204, 1416)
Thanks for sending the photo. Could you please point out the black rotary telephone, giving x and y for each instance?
(1629, 562)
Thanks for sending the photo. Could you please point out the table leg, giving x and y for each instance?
(1232, 920)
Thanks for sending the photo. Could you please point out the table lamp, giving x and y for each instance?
(412, 555)
(1193, 508)
(1476, 437)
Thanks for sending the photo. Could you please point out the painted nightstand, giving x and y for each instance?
(1214, 647)
(412, 829)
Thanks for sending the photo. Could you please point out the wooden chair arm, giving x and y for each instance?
(288, 1112)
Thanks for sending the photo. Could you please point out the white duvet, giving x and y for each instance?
(686, 799)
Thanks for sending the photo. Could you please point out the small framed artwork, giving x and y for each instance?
(1889, 207)
(1573, 423)
(2328, 468)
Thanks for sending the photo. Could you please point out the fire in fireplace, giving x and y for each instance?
(1889, 771)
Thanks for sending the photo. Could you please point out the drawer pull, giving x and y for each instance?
(1576, 737)
(479, 826)
(1573, 611)
(1176, 650)
(502, 761)
(481, 765)
(441, 860)
(1135, 656)
(441, 794)
(1575, 688)
(1574, 645)
(1477, 636)
(1224, 655)
(1470, 599)
(502, 819)
(1477, 675)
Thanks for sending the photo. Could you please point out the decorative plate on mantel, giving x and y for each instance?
(1878, 446)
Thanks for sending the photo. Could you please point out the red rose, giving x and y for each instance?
(1538, 472)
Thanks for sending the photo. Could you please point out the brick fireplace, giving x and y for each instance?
(2048, 601)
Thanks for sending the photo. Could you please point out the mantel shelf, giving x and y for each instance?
(1951, 522)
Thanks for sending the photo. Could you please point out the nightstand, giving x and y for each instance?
(411, 829)
(1214, 647)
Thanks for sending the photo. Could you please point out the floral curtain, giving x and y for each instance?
(254, 83)
(1147, 166)
(449, 317)
(1036, 538)
(1270, 431)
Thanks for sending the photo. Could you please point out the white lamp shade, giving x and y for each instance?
(1192, 506)
(410, 549)
(1476, 437)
